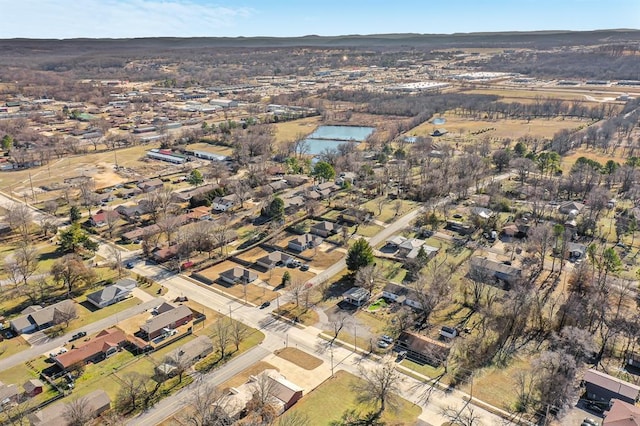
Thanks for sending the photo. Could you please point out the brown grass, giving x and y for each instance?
(299, 358)
(304, 316)
(291, 129)
(242, 377)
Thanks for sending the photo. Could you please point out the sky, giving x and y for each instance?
(289, 18)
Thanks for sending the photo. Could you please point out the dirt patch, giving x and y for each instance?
(242, 377)
(299, 358)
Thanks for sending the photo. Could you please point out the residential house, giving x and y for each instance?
(185, 196)
(138, 233)
(186, 355)
(576, 251)
(422, 349)
(571, 208)
(126, 193)
(355, 215)
(96, 402)
(33, 387)
(326, 189)
(603, 387)
(132, 212)
(222, 204)
(325, 228)
(482, 212)
(515, 230)
(410, 247)
(401, 294)
(165, 254)
(112, 294)
(36, 317)
(150, 185)
(293, 204)
(103, 218)
(312, 195)
(169, 320)
(8, 393)
(201, 213)
(622, 414)
(237, 275)
(273, 259)
(303, 242)
(102, 346)
(278, 185)
(356, 296)
(460, 228)
(284, 393)
(492, 272)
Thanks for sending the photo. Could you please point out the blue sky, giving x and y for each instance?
(190, 18)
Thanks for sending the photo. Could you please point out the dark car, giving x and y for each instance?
(304, 267)
(8, 334)
(595, 408)
(129, 265)
(78, 335)
(265, 304)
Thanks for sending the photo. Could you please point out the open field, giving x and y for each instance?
(337, 393)
(299, 358)
(289, 130)
(529, 94)
(87, 313)
(459, 127)
(214, 149)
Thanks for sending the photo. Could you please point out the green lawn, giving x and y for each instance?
(252, 338)
(368, 230)
(425, 370)
(86, 316)
(12, 346)
(328, 401)
(392, 271)
(380, 303)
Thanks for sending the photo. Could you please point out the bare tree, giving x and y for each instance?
(115, 255)
(221, 335)
(209, 407)
(87, 194)
(132, 388)
(65, 314)
(238, 332)
(379, 385)
(464, 416)
(19, 217)
(21, 266)
(337, 324)
(78, 412)
(71, 271)
(368, 277)
(263, 402)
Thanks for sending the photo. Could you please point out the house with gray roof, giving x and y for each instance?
(112, 294)
(169, 320)
(186, 355)
(36, 317)
(96, 402)
(238, 275)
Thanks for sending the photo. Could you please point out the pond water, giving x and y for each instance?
(331, 136)
(438, 121)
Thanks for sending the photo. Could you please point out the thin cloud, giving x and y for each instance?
(117, 18)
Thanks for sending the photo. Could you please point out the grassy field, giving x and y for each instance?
(289, 130)
(87, 314)
(459, 127)
(303, 316)
(299, 358)
(327, 402)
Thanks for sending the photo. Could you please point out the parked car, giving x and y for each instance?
(129, 265)
(590, 422)
(8, 334)
(382, 344)
(595, 408)
(78, 335)
(304, 267)
(265, 304)
(60, 352)
(386, 339)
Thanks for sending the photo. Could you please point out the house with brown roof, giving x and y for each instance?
(622, 414)
(106, 343)
(103, 218)
(165, 322)
(96, 402)
(33, 387)
(36, 317)
(150, 185)
(422, 349)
